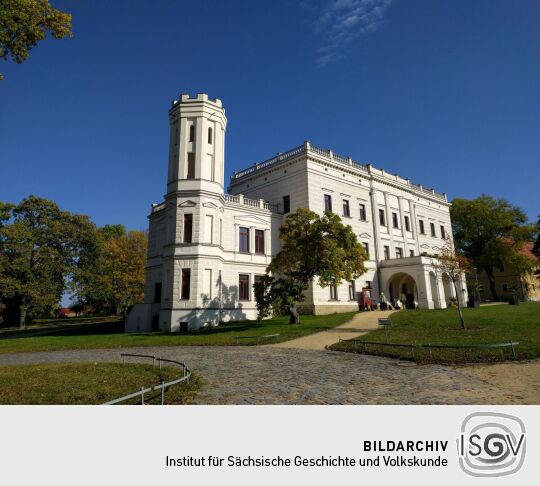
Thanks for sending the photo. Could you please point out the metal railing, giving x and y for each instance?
(163, 386)
(429, 347)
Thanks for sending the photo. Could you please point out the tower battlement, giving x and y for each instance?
(186, 98)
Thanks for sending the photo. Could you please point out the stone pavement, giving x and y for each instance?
(263, 375)
(360, 324)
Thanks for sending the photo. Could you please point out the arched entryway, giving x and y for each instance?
(447, 287)
(402, 286)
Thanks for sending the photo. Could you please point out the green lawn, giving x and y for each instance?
(485, 325)
(111, 335)
(89, 384)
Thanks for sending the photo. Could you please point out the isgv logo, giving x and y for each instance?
(491, 444)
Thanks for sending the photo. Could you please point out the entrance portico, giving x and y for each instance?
(420, 282)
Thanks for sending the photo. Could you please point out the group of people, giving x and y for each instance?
(398, 304)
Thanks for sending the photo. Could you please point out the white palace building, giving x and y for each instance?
(207, 248)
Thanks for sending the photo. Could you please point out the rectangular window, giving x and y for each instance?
(366, 249)
(210, 135)
(333, 292)
(386, 252)
(157, 293)
(362, 212)
(399, 252)
(432, 227)
(352, 290)
(190, 165)
(186, 283)
(244, 240)
(191, 133)
(188, 228)
(257, 280)
(259, 241)
(327, 202)
(346, 209)
(207, 283)
(382, 218)
(443, 232)
(422, 229)
(176, 135)
(411, 253)
(243, 287)
(395, 220)
(407, 224)
(286, 204)
(209, 228)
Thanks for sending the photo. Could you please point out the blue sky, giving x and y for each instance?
(446, 93)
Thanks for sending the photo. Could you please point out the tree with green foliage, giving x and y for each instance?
(87, 285)
(490, 233)
(110, 276)
(39, 249)
(23, 23)
(312, 247)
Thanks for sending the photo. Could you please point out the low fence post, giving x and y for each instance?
(142, 395)
(513, 350)
(162, 390)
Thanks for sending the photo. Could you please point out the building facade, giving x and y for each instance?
(208, 248)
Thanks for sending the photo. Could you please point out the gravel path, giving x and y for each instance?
(262, 375)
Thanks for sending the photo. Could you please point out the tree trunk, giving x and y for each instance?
(458, 300)
(295, 317)
(489, 273)
(23, 309)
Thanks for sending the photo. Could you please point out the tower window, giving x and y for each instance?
(407, 224)
(399, 252)
(190, 165)
(386, 252)
(327, 202)
(157, 292)
(210, 135)
(286, 204)
(422, 229)
(188, 228)
(244, 240)
(362, 212)
(243, 287)
(382, 218)
(191, 133)
(443, 232)
(259, 241)
(432, 228)
(186, 283)
(346, 209)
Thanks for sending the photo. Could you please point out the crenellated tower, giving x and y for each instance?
(197, 145)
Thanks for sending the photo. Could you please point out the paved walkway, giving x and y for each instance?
(360, 324)
(263, 375)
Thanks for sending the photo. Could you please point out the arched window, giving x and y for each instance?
(191, 133)
(210, 135)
